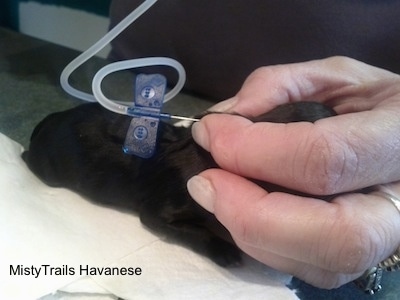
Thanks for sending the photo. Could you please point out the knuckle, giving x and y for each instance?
(341, 61)
(355, 247)
(359, 250)
(330, 165)
(258, 74)
(328, 280)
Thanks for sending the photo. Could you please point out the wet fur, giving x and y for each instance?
(81, 149)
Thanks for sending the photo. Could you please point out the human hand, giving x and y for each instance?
(327, 244)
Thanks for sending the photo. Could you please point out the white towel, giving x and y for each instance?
(70, 240)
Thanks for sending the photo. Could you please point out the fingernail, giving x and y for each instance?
(202, 192)
(200, 135)
(224, 106)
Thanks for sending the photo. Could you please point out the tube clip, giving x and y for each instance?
(141, 138)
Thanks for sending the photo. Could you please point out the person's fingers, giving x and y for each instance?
(329, 80)
(333, 155)
(313, 275)
(326, 244)
(347, 236)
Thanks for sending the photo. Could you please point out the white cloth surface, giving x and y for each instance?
(41, 226)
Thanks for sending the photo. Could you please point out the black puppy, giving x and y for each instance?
(81, 149)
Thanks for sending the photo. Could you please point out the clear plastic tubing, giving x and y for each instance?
(98, 95)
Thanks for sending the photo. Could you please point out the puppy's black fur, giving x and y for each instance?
(81, 149)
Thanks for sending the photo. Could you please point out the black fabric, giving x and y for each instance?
(221, 42)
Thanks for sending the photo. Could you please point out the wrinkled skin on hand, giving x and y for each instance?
(327, 244)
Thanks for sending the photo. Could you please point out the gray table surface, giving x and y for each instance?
(30, 90)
